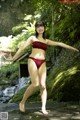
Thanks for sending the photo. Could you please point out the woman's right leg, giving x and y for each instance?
(27, 93)
(34, 82)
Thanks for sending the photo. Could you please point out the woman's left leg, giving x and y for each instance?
(42, 84)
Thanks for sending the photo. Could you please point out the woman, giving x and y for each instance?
(37, 63)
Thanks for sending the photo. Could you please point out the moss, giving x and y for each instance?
(65, 81)
(18, 97)
(71, 88)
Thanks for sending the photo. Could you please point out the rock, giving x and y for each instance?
(57, 111)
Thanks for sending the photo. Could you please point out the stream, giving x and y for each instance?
(7, 93)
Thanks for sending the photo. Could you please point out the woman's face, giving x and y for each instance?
(40, 29)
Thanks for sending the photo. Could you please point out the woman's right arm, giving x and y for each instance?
(23, 47)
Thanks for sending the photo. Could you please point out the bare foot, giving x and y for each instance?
(44, 112)
(22, 107)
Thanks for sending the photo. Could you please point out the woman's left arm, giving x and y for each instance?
(53, 43)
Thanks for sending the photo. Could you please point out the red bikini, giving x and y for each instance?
(38, 62)
(42, 46)
(39, 45)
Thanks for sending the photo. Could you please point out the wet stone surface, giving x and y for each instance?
(57, 111)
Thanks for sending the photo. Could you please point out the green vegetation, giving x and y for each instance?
(64, 80)
(8, 76)
(35, 96)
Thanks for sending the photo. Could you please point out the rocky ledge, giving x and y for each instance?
(57, 111)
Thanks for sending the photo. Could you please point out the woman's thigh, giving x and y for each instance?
(42, 74)
(33, 72)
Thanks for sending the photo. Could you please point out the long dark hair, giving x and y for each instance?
(40, 23)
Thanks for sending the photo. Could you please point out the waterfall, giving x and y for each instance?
(8, 92)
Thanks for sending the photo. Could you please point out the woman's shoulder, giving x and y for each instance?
(32, 37)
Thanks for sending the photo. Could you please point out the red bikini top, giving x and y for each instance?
(40, 45)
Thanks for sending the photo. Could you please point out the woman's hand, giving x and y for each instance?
(76, 50)
(9, 59)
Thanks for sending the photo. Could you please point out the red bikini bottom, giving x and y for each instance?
(38, 62)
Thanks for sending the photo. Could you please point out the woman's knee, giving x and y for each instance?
(35, 84)
(42, 86)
